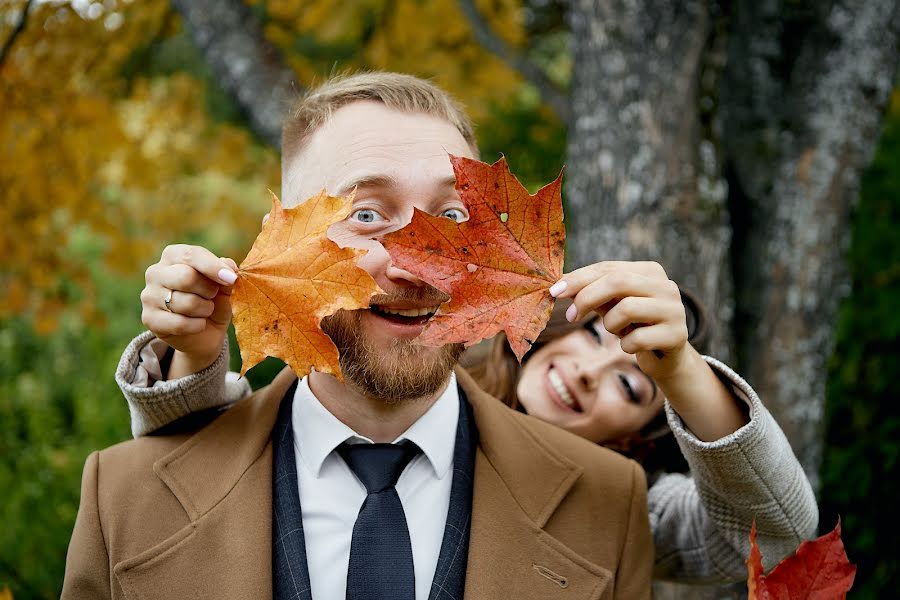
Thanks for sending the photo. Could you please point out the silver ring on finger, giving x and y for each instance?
(168, 300)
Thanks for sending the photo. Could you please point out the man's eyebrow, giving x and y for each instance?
(368, 180)
(384, 181)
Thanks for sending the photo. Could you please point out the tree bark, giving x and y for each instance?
(805, 92)
(246, 65)
(643, 178)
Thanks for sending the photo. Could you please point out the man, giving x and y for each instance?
(277, 496)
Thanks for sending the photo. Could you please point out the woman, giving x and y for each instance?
(614, 366)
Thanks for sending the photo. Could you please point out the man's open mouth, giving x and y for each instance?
(405, 316)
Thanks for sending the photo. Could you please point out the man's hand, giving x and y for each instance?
(639, 304)
(195, 320)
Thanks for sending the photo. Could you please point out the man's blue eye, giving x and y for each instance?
(455, 214)
(366, 215)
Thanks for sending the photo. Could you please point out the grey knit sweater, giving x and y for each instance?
(700, 523)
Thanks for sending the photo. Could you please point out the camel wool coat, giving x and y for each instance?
(190, 515)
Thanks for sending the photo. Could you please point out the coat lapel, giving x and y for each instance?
(222, 476)
(519, 483)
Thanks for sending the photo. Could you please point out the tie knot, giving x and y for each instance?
(378, 466)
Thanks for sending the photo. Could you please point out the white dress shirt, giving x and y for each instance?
(331, 495)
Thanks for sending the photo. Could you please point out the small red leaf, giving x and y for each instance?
(818, 570)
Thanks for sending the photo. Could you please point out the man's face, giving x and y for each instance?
(396, 162)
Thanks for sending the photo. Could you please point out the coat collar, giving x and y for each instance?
(519, 482)
(205, 468)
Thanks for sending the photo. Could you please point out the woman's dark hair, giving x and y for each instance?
(495, 368)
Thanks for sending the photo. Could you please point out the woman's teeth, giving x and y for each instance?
(560, 388)
(411, 312)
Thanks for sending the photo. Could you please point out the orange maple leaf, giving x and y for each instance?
(818, 570)
(497, 266)
(292, 278)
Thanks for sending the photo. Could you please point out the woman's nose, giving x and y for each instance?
(590, 369)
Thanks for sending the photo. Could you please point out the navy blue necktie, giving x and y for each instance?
(381, 561)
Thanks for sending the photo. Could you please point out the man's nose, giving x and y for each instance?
(397, 275)
(377, 262)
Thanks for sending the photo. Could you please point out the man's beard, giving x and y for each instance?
(406, 371)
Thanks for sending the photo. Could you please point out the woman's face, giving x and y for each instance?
(585, 383)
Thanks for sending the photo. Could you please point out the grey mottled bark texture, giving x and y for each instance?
(243, 62)
(804, 98)
(643, 179)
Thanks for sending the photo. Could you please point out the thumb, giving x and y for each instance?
(221, 314)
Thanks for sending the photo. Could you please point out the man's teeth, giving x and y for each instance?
(410, 312)
(560, 388)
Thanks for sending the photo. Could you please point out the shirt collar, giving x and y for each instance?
(317, 432)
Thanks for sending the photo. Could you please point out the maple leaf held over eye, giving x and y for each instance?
(292, 278)
(818, 570)
(497, 266)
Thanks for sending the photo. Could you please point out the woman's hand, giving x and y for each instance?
(640, 305)
(187, 303)
(637, 303)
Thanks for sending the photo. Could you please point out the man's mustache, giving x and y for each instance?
(423, 295)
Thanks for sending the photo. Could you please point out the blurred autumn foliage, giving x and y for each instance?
(109, 150)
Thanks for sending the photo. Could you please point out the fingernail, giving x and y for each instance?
(227, 276)
(558, 288)
(571, 313)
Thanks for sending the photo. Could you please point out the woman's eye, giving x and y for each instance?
(366, 215)
(455, 214)
(592, 329)
(629, 389)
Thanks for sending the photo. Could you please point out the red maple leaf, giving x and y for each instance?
(497, 266)
(818, 570)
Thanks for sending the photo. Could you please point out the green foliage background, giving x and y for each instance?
(860, 465)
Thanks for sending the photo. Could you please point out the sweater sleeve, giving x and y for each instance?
(701, 523)
(154, 403)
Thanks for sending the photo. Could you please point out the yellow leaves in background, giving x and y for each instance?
(429, 39)
(96, 166)
(6, 594)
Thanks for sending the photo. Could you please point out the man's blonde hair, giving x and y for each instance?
(397, 91)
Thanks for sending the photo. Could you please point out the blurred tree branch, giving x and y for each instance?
(490, 41)
(244, 63)
(17, 30)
